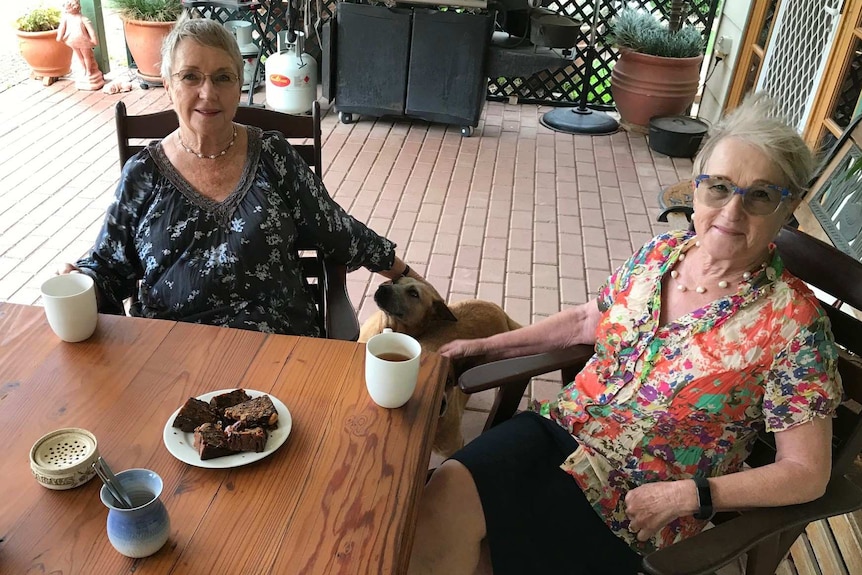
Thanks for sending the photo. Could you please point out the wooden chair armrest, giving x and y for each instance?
(340, 316)
(498, 373)
(512, 376)
(714, 548)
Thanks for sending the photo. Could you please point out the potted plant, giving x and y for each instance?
(145, 24)
(37, 40)
(658, 71)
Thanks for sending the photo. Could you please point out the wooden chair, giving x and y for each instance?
(766, 534)
(337, 317)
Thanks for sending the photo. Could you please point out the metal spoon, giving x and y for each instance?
(115, 483)
(110, 486)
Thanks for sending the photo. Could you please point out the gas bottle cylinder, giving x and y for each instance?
(291, 78)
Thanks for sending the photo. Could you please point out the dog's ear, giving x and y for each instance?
(442, 311)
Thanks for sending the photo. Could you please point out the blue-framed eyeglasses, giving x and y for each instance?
(757, 200)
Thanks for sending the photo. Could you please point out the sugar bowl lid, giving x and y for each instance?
(63, 458)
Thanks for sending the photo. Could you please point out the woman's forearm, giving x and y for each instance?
(567, 328)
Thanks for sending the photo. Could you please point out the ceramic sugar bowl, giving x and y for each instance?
(143, 529)
(64, 458)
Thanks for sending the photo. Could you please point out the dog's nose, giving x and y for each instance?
(383, 295)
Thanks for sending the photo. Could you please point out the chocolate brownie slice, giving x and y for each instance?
(257, 412)
(211, 441)
(253, 439)
(225, 400)
(194, 413)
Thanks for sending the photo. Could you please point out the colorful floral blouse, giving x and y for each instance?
(659, 403)
(231, 263)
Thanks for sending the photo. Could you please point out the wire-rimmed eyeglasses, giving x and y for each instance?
(193, 78)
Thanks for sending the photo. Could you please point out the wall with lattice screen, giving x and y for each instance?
(803, 33)
(559, 86)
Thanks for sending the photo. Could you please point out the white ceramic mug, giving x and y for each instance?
(391, 368)
(70, 305)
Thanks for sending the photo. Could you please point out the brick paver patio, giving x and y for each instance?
(516, 214)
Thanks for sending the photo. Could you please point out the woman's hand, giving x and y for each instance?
(653, 505)
(66, 269)
(463, 348)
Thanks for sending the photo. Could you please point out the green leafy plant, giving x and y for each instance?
(640, 32)
(148, 10)
(39, 19)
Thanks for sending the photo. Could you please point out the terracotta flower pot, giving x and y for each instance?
(144, 40)
(47, 58)
(644, 86)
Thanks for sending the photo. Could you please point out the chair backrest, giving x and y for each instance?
(336, 315)
(838, 278)
(157, 125)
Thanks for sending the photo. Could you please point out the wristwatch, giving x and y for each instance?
(406, 271)
(704, 497)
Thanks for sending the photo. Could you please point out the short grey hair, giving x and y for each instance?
(758, 122)
(206, 33)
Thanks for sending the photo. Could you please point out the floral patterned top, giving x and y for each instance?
(668, 402)
(231, 263)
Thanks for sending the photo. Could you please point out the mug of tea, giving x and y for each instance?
(70, 306)
(391, 368)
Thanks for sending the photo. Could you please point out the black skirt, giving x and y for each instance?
(537, 518)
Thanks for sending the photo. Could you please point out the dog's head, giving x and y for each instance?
(411, 305)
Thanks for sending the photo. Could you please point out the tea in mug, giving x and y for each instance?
(390, 356)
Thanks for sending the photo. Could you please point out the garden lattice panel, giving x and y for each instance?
(563, 86)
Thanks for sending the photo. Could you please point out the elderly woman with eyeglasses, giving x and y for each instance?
(205, 223)
(702, 339)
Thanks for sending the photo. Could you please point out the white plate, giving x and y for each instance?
(182, 444)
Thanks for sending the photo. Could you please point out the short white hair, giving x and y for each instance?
(758, 122)
(205, 32)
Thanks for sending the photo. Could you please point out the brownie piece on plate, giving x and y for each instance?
(211, 441)
(253, 439)
(257, 412)
(194, 413)
(225, 400)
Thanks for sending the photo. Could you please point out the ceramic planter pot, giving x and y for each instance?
(645, 86)
(48, 58)
(144, 40)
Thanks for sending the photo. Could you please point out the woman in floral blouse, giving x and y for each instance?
(206, 222)
(701, 340)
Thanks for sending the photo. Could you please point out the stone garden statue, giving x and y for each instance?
(77, 32)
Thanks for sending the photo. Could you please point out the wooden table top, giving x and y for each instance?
(340, 496)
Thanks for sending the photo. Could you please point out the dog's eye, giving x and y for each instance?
(413, 293)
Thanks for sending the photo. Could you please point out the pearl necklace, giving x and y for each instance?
(701, 289)
(208, 157)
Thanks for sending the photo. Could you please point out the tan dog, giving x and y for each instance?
(414, 307)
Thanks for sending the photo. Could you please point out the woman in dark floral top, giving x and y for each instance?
(205, 224)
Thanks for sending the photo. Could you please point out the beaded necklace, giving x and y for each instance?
(701, 289)
(205, 156)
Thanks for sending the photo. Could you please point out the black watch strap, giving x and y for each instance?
(406, 271)
(704, 497)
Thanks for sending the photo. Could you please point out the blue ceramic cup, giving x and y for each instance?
(144, 529)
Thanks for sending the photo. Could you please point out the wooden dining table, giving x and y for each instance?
(339, 496)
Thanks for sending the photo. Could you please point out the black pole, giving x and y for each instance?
(582, 120)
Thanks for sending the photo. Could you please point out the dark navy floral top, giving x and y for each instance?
(232, 263)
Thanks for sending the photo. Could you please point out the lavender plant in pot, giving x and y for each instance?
(658, 71)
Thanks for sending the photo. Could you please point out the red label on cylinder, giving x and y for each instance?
(279, 80)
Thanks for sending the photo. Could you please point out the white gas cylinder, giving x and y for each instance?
(291, 79)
